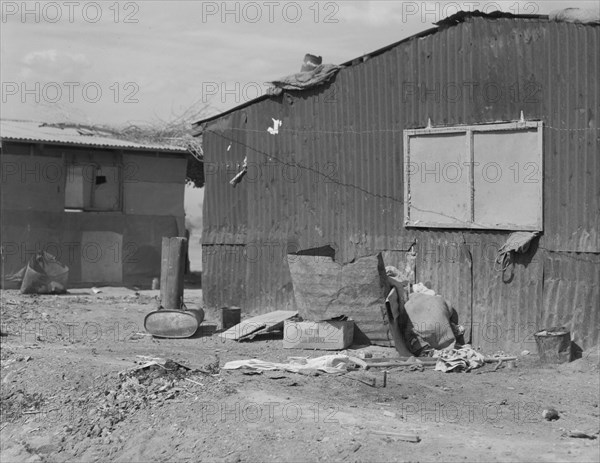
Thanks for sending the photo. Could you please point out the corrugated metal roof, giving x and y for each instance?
(448, 22)
(462, 16)
(43, 133)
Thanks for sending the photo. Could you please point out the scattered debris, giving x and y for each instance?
(550, 414)
(400, 362)
(275, 129)
(165, 323)
(332, 334)
(44, 274)
(240, 175)
(166, 364)
(261, 324)
(579, 435)
(377, 353)
(360, 377)
(324, 288)
(326, 363)
(499, 358)
(230, 316)
(464, 358)
(422, 289)
(554, 345)
(192, 381)
(275, 375)
(395, 315)
(402, 436)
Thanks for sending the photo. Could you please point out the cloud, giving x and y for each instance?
(372, 14)
(171, 54)
(53, 65)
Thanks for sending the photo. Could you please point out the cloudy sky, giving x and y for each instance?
(109, 62)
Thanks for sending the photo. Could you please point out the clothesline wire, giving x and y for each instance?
(317, 172)
(363, 190)
(376, 131)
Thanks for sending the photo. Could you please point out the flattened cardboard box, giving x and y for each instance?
(324, 335)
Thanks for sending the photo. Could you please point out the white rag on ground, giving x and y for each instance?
(326, 363)
(465, 358)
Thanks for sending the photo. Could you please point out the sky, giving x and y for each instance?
(109, 62)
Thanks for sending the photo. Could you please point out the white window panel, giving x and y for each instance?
(481, 176)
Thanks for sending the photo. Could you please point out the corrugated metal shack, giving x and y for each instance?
(335, 175)
(100, 205)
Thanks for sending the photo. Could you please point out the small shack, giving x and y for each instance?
(100, 205)
(429, 152)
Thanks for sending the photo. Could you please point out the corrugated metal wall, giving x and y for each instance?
(225, 209)
(571, 150)
(334, 174)
(572, 294)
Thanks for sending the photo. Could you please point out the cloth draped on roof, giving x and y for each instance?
(304, 80)
(576, 15)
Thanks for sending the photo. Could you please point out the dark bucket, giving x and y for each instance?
(554, 345)
(230, 316)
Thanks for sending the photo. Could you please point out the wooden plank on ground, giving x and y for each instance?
(267, 322)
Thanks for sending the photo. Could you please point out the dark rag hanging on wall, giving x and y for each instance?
(517, 242)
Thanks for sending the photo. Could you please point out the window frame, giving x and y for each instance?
(115, 162)
(469, 131)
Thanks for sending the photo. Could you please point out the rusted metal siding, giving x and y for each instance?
(225, 209)
(347, 138)
(334, 174)
(268, 280)
(323, 187)
(571, 295)
(223, 275)
(571, 151)
(506, 306)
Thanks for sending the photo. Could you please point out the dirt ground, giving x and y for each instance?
(68, 394)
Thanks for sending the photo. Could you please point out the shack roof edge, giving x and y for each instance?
(20, 131)
(444, 24)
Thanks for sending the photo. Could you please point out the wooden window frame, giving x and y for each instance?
(116, 163)
(469, 131)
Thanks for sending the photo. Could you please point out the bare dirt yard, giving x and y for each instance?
(68, 393)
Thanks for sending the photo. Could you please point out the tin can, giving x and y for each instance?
(230, 316)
